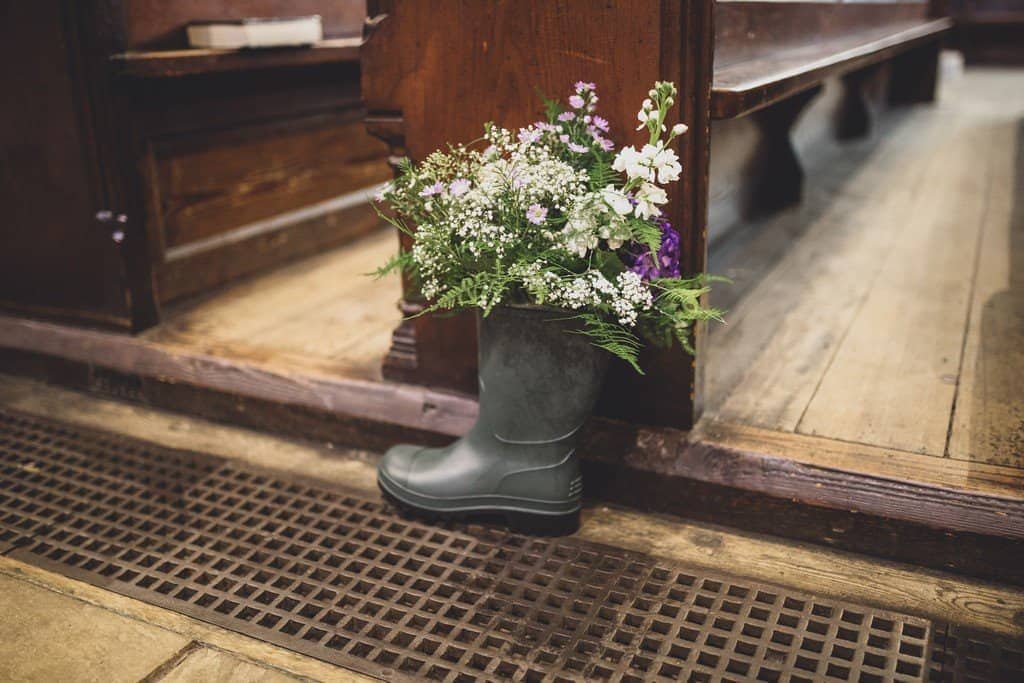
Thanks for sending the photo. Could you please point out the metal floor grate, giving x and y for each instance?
(344, 579)
(960, 654)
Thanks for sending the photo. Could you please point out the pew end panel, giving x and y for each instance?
(442, 69)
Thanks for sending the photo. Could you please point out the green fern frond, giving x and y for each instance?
(612, 337)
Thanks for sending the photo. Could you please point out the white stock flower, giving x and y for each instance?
(632, 162)
(618, 201)
(648, 197)
(666, 163)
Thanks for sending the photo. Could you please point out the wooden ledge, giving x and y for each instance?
(746, 86)
(191, 62)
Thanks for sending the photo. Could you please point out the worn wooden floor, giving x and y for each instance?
(888, 309)
(322, 313)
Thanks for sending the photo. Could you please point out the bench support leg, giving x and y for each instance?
(915, 75)
(781, 178)
(854, 119)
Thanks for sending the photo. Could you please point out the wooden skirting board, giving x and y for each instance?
(802, 486)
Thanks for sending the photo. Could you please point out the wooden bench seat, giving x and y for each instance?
(745, 86)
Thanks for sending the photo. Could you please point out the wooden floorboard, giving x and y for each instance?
(988, 419)
(861, 330)
(893, 378)
(322, 312)
(787, 329)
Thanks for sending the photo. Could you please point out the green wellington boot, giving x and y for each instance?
(538, 384)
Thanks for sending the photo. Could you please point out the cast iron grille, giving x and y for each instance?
(960, 654)
(340, 577)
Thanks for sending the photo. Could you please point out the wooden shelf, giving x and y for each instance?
(749, 85)
(190, 62)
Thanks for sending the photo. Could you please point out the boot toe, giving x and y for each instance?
(397, 463)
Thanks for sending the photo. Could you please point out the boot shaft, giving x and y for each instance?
(539, 379)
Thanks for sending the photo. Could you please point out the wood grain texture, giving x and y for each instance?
(400, 405)
(323, 312)
(55, 259)
(988, 420)
(765, 364)
(892, 380)
(211, 182)
(747, 86)
(503, 53)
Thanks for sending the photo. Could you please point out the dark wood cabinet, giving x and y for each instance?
(62, 249)
(137, 171)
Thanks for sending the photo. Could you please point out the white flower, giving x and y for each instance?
(617, 201)
(641, 116)
(679, 129)
(648, 197)
(459, 187)
(632, 162)
(666, 164)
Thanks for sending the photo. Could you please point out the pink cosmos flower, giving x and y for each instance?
(601, 123)
(576, 102)
(431, 190)
(529, 136)
(459, 187)
(579, 149)
(536, 214)
(566, 116)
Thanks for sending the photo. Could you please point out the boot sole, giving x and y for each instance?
(517, 520)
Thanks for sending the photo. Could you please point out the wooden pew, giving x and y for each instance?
(989, 31)
(181, 169)
(434, 71)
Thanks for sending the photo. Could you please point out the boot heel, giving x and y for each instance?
(543, 525)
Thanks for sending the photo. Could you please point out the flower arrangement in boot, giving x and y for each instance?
(552, 215)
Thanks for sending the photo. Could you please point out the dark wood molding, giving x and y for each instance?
(398, 404)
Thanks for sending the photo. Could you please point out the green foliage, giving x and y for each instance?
(612, 337)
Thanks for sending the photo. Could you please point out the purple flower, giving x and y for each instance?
(666, 264)
(544, 125)
(431, 190)
(605, 144)
(566, 116)
(576, 102)
(536, 214)
(583, 85)
(601, 123)
(579, 149)
(529, 136)
(564, 138)
(459, 187)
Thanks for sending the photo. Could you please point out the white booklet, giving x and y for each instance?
(232, 34)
